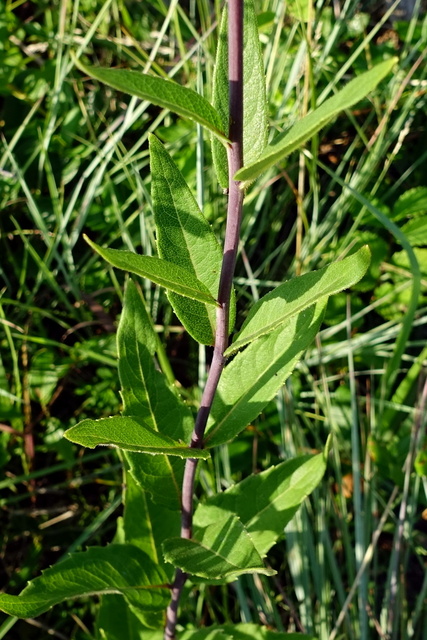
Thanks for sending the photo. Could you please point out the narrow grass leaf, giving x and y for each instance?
(297, 294)
(255, 375)
(97, 571)
(255, 116)
(286, 143)
(266, 502)
(220, 550)
(163, 273)
(161, 92)
(185, 239)
(130, 434)
(147, 395)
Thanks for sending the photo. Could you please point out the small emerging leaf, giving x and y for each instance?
(163, 273)
(304, 129)
(98, 570)
(161, 92)
(220, 550)
(131, 434)
(299, 293)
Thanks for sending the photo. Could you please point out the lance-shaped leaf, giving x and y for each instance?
(121, 569)
(255, 375)
(160, 475)
(116, 620)
(147, 394)
(146, 525)
(240, 631)
(163, 273)
(266, 502)
(255, 116)
(161, 92)
(299, 293)
(185, 238)
(221, 550)
(304, 129)
(131, 434)
(243, 631)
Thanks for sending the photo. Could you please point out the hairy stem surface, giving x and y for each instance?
(231, 242)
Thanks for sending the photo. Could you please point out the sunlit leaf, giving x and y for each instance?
(304, 129)
(161, 92)
(163, 273)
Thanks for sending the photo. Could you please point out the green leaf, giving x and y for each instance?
(248, 631)
(185, 239)
(145, 390)
(412, 203)
(220, 550)
(299, 293)
(131, 434)
(146, 525)
(416, 231)
(307, 127)
(161, 92)
(116, 620)
(299, 9)
(146, 394)
(160, 475)
(255, 113)
(266, 502)
(210, 633)
(160, 271)
(120, 569)
(240, 631)
(255, 375)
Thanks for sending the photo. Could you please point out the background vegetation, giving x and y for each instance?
(74, 159)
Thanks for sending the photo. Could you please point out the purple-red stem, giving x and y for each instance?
(231, 242)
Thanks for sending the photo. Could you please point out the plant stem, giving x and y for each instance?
(231, 242)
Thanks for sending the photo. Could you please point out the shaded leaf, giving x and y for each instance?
(161, 92)
(160, 475)
(160, 271)
(146, 525)
(299, 293)
(116, 620)
(307, 127)
(220, 550)
(255, 115)
(98, 570)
